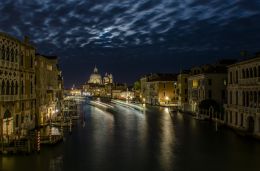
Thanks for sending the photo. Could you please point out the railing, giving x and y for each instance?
(24, 96)
(244, 109)
(249, 81)
(30, 96)
(6, 98)
(8, 64)
(250, 110)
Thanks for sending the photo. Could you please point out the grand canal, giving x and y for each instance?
(128, 139)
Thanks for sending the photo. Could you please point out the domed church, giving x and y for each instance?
(95, 77)
(98, 85)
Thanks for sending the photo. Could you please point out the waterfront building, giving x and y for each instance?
(17, 82)
(49, 89)
(182, 89)
(159, 89)
(207, 90)
(98, 86)
(243, 105)
(117, 89)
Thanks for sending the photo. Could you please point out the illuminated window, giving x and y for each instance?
(49, 67)
(195, 84)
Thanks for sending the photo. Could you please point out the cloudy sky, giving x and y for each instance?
(130, 38)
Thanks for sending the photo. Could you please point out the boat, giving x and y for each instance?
(199, 117)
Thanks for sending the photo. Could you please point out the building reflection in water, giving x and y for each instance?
(56, 164)
(167, 140)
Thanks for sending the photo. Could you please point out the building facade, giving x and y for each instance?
(117, 90)
(17, 81)
(159, 89)
(182, 90)
(98, 86)
(207, 83)
(49, 89)
(243, 105)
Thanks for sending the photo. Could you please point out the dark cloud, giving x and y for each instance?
(146, 35)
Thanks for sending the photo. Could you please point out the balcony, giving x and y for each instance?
(8, 64)
(9, 98)
(249, 81)
(23, 97)
(243, 109)
(30, 96)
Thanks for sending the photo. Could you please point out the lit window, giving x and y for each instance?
(195, 84)
(49, 67)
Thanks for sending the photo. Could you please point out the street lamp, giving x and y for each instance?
(144, 102)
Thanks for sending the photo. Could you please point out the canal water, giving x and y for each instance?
(130, 140)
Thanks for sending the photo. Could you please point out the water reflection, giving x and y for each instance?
(56, 164)
(154, 139)
(167, 141)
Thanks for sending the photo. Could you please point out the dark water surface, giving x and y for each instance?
(128, 139)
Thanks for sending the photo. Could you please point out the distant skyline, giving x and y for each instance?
(131, 38)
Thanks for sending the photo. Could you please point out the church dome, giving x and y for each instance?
(95, 78)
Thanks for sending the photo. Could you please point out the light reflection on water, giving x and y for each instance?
(153, 139)
(56, 164)
(167, 141)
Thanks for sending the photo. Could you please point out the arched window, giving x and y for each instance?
(12, 55)
(255, 99)
(31, 87)
(16, 88)
(236, 76)
(247, 73)
(255, 72)
(247, 99)
(244, 98)
(251, 73)
(3, 50)
(230, 97)
(251, 98)
(12, 88)
(3, 88)
(243, 73)
(15, 56)
(22, 87)
(7, 87)
(31, 61)
(258, 98)
(7, 54)
(21, 60)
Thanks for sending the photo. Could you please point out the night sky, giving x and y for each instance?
(130, 38)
